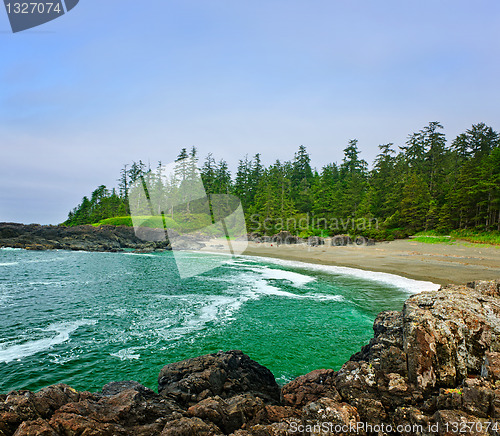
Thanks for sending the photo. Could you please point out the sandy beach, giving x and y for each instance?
(438, 263)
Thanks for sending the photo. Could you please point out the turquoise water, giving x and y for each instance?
(86, 319)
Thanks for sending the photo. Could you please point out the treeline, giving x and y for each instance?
(427, 184)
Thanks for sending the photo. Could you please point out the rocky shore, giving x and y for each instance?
(433, 368)
(87, 238)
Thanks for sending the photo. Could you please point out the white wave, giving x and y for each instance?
(408, 285)
(279, 274)
(55, 259)
(45, 283)
(63, 330)
(9, 263)
(141, 254)
(126, 354)
(220, 309)
(10, 249)
(261, 287)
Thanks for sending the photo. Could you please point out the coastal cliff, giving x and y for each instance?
(433, 368)
(88, 238)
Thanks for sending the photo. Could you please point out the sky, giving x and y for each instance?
(116, 81)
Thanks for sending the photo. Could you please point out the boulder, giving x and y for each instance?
(186, 242)
(228, 415)
(315, 241)
(447, 333)
(223, 374)
(190, 427)
(385, 349)
(39, 427)
(341, 240)
(20, 406)
(357, 384)
(310, 387)
(331, 418)
(285, 237)
(491, 366)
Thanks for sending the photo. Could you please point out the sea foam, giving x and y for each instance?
(278, 274)
(63, 330)
(410, 286)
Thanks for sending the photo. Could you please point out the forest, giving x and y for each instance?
(427, 184)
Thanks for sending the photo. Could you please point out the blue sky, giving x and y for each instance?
(115, 81)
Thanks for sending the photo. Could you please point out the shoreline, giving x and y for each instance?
(386, 384)
(438, 263)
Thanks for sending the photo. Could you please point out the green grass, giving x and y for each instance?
(188, 223)
(492, 237)
(153, 222)
(434, 239)
(458, 236)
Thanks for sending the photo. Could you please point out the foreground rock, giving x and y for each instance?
(222, 374)
(432, 369)
(90, 238)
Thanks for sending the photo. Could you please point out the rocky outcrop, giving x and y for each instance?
(91, 238)
(447, 333)
(315, 241)
(285, 237)
(222, 374)
(432, 369)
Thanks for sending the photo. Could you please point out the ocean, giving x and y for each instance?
(86, 319)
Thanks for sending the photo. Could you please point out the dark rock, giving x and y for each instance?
(361, 240)
(491, 366)
(285, 237)
(315, 241)
(40, 427)
(447, 333)
(280, 413)
(330, 417)
(412, 421)
(21, 406)
(488, 287)
(254, 237)
(242, 410)
(225, 374)
(84, 238)
(341, 240)
(213, 409)
(186, 243)
(385, 349)
(453, 422)
(231, 414)
(357, 384)
(74, 424)
(190, 427)
(310, 387)
(477, 397)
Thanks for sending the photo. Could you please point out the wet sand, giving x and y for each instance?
(438, 263)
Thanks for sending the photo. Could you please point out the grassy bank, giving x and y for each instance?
(456, 236)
